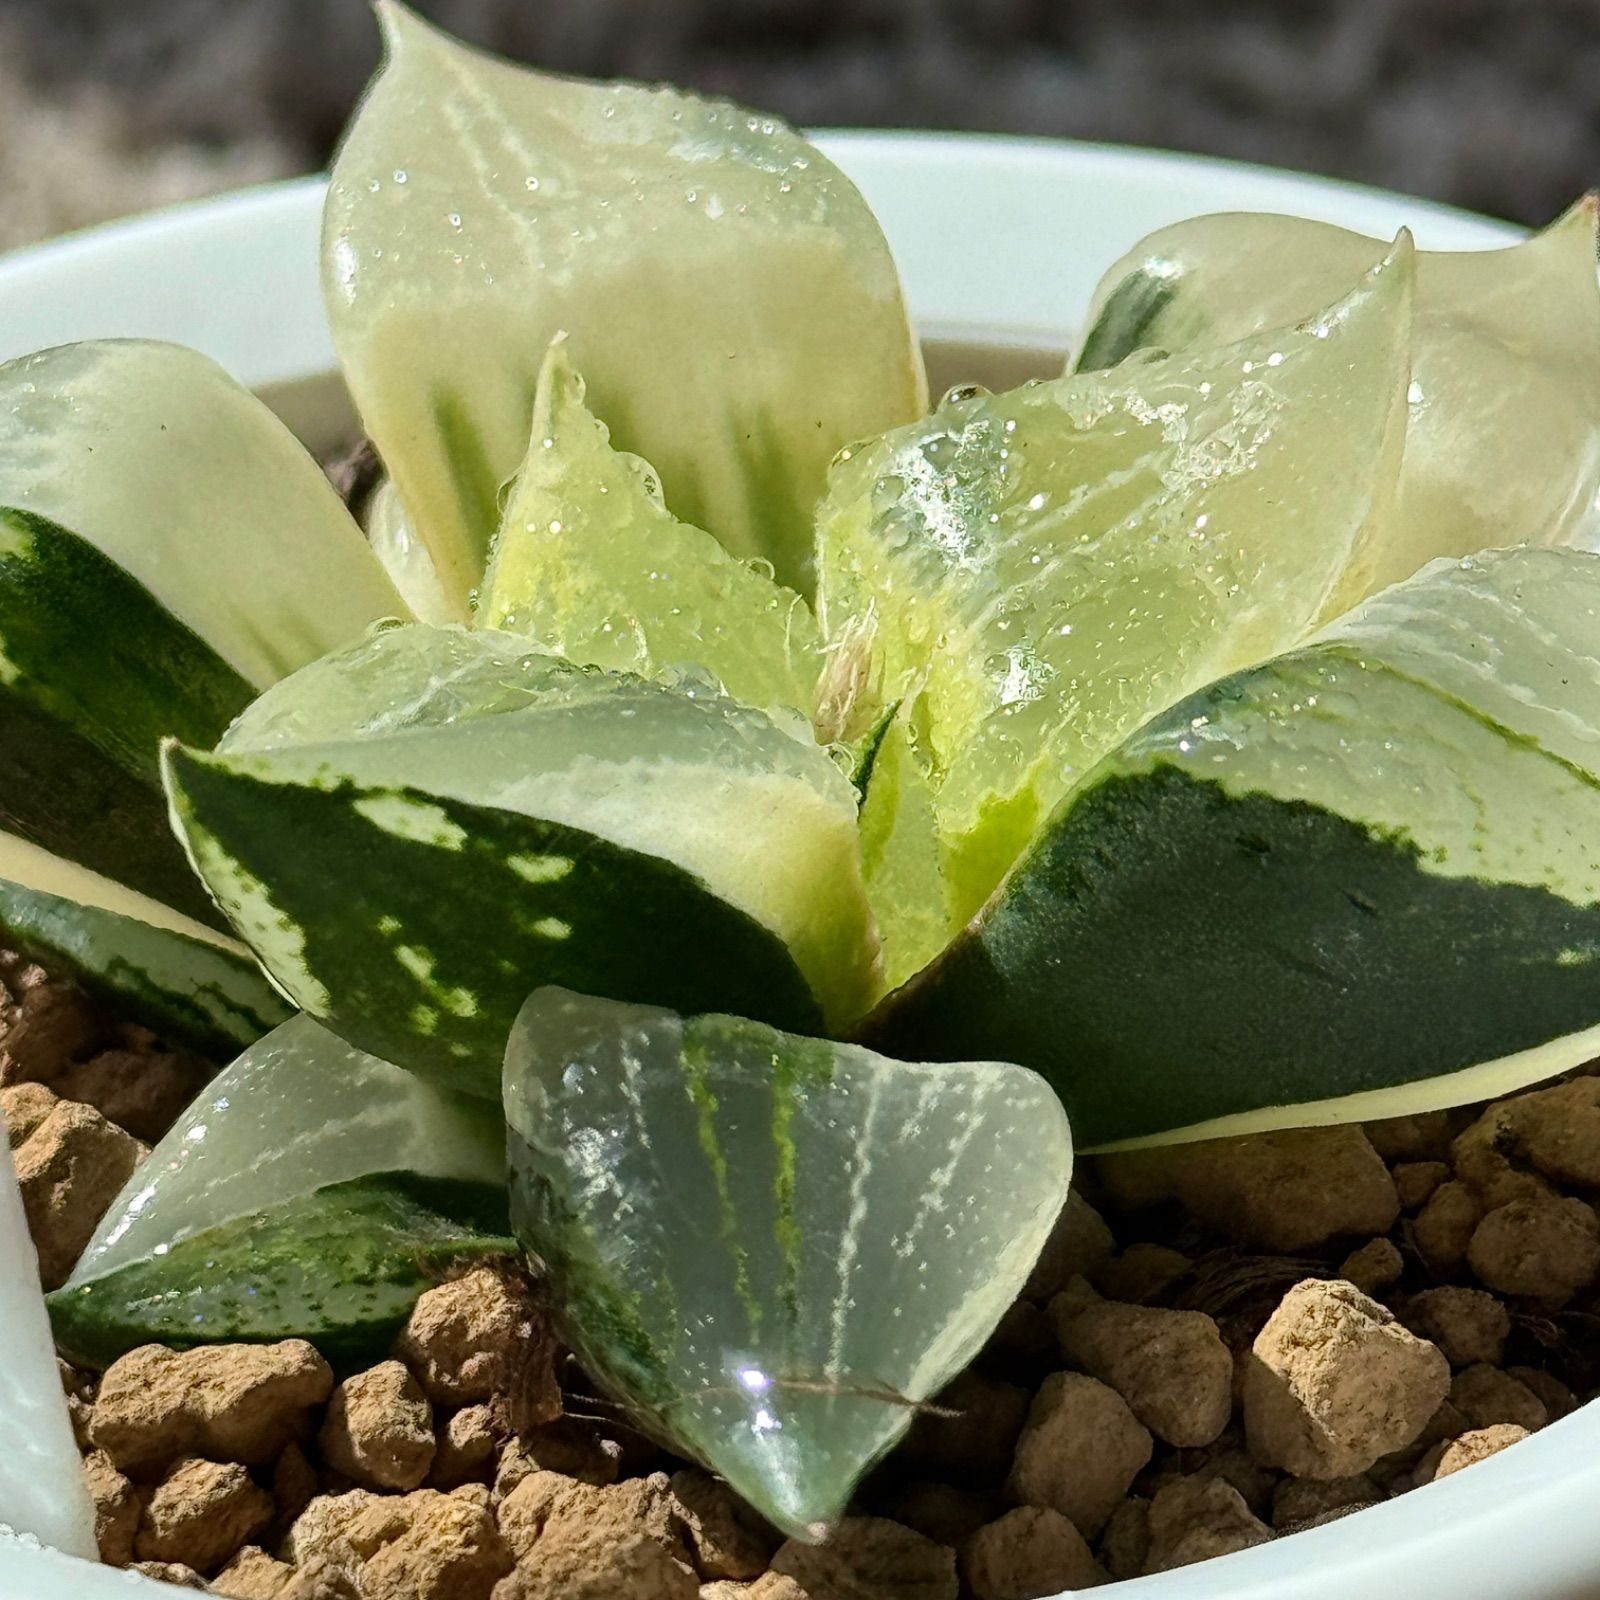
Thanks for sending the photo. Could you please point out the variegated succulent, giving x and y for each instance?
(704, 745)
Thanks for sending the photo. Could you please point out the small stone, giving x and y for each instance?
(117, 1508)
(1547, 1249)
(467, 1445)
(1079, 1243)
(939, 1511)
(1283, 1191)
(201, 1513)
(1298, 1501)
(237, 1402)
(1425, 1136)
(173, 1572)
(1477, 1446)
(55, 1024)
(975, 1444)
(1081, 1449)
(630, 1567)
(1554, 1131)
(25, 1106)
(463, 1337)
(1029, 1552)
(1334, 1383)
(1141, 1273)
(1125, 1544)
(547, 1512)
(326, 1522)
(1415, 1181)
(69, 1170)
(140, 1090)
(724, 1589)
(1483, 1159)
(725, 1539)
(865, 1558)
(1444, 1226)
(1487, 1398)
(1467, 1324)
(253, 1575)
(1197, 1518)
(569, 1448)
(332, 1574)
(1170, 1366)
(425, 1545)
(1376, 1265)
(1559, 1400)
(379, 1429)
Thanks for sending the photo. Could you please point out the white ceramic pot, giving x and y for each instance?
(999, 241)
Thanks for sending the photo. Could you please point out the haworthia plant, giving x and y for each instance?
(147, 961)
(415, 831)
(589, 562)
(728, 294)
(773, 1248)
(189, 485)
(1503, 439)
(1360, 880)
(1053, 565)
(311, 1190)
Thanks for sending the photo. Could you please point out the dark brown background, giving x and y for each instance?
(108, 105)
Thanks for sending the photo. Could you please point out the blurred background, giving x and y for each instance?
(110, 106)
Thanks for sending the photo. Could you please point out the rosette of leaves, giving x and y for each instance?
(778, 737)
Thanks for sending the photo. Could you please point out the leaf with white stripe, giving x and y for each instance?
(179, 476)
(1503, 437)
(311, 1191)
(1359, 880)
(772, 1248)
(415, 832)
(149, 963)
(728, 294)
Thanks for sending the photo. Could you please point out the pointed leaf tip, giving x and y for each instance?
(852, 1247)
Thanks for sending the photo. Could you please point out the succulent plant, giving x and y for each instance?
(709, 745)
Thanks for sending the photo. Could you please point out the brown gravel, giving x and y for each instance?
(1080, 1451)
(1028, 1552)
(1335, 1382)
(1258, 1335)
(201, 1513)
(379, 1429)
(239, 1403)
(69, 1170)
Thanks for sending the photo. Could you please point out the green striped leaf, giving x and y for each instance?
(413, 833)
(180, 477)
(1503, 443)
(1360, 880)
(728, 295)
(590, 563)
(312, 1191)
(96, 672)
(772, 1248)
(149, 963)
(1053, 565)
